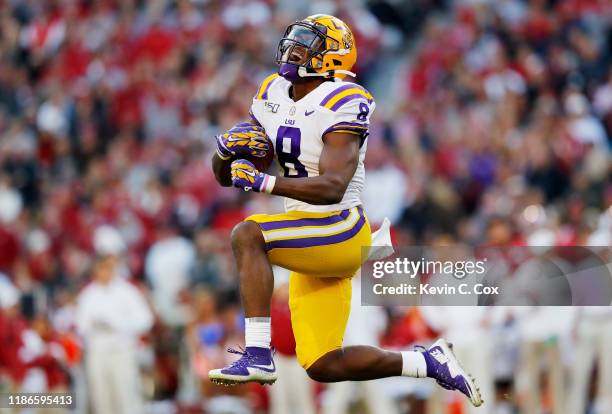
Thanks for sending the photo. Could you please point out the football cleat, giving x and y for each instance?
(254, 365)
(442, 365)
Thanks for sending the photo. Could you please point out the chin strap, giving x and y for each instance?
(303, 73)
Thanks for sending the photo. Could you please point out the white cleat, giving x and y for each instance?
(443, 366)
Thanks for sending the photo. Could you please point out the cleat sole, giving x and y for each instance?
(228, 382)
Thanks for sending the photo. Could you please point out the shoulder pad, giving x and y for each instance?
(344, 94)
(262, 92)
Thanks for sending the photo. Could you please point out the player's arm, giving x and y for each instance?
(222, 170)
(337, 166)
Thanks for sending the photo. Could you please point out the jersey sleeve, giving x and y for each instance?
(257, 107)
(347, 109)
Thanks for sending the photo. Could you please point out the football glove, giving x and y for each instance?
(246, 176)
(242, 140)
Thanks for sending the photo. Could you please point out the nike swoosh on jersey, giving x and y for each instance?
(308, 113)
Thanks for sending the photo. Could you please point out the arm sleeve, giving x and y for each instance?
(353, 117)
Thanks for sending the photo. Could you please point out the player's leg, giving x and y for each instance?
(362, 363)
(264, 239)
(256, 285)
(319, 312)
(254, 270)
(359, 363)
(326, 248)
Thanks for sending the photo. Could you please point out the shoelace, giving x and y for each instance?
(245, 356)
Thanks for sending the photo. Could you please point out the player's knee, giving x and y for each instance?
(246, 234)
(322, 370)
(317, 374)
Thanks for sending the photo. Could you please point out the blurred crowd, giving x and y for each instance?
(493, 126)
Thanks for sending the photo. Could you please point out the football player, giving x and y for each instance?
(318, 123)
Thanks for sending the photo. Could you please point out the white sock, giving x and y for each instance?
(413, 364)
(257, 332)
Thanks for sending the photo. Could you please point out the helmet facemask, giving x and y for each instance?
(300, 51)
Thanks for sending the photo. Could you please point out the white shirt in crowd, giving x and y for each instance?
(373, 317)
(167, 268)
(387, 183)
(113, 315)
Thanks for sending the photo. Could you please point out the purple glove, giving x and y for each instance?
(244, 139)
(246, 176)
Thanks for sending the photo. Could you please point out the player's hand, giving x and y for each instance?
(247, 177)
(242, 140)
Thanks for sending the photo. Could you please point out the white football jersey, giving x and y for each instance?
(297, 129)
